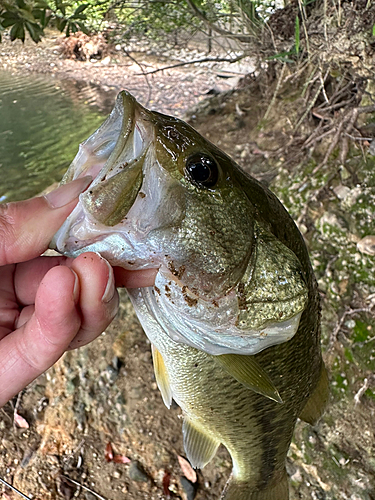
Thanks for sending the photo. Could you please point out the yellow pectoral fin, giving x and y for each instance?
(249, 373)
(161, 376)
(199, 447)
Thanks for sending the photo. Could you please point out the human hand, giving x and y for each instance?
(49, 304)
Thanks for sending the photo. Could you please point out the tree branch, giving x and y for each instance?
(221, 31)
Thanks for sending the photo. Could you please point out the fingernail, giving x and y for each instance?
(76, 287)
(67, 192)
(110, 289)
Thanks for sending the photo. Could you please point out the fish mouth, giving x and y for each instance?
(114, 156)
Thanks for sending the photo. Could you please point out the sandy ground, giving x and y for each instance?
(172, 91)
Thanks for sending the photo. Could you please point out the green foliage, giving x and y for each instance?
(285, 56)
(33, 16)
(158, 20)
(73, 22)
(155, 19)
(20, 15)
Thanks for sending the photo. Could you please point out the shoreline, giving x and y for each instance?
(172, 91)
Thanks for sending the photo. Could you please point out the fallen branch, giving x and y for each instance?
(331, 146)
(312, 140)
(345, 139)
(348, 312)
(278, 85)
(83, 487)
(312, 102)
(205, 59)
(14, 489)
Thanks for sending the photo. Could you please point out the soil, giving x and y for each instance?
(104, 396)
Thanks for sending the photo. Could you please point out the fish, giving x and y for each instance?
(233, 317)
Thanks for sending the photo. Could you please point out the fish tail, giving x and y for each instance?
(239, 490)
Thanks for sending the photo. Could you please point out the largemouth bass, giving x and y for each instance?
(233, 317)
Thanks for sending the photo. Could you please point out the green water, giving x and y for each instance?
(42, 122)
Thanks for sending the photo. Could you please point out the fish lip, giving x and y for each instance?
(124, 103)
(120, 142)
(99, 149)
(128, 110)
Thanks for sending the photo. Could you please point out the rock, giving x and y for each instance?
(341, 191)
(189, 488)
(137, 473)
(367, 245)
(90, 496)
(106, 61)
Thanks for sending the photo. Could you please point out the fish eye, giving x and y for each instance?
(202, 170)
(172, 134)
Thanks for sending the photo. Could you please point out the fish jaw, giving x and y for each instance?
(122, 205)
(130, 244)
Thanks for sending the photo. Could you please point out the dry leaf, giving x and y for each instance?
(20, 421)
(108, 454)
(187, 469)
(166, 483)
(121, 459)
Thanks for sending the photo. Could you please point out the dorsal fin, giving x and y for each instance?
(247, 371)
(200, 448)
(161, 376)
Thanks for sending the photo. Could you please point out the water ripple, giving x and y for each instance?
(42, 122)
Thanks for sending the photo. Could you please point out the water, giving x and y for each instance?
(42, 122)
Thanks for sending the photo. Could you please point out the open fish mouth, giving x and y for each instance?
(114, 156)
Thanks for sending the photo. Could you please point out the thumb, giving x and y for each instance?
(26, 227)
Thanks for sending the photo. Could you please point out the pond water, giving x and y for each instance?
(42, 122)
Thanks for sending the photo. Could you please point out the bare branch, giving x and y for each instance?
(347, 312)
(278, 85)
(144, 73)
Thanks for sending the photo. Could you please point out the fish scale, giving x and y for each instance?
(234, 317)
